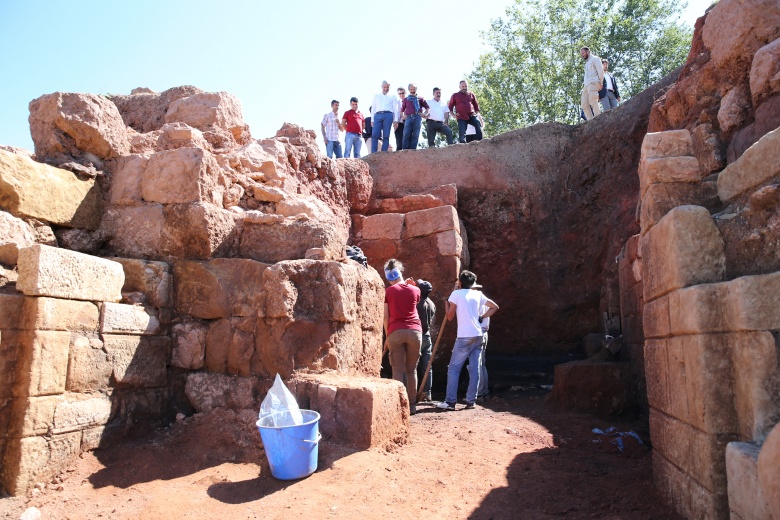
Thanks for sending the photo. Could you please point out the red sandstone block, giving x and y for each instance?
(746, 498)
(139, 360)
(657, 374)
(660, 198)
(667, 170)
(684, 494)
(429, 221)
(754, 302)
(699, 309)
(11, 311)
(656, 318)
(230, 344)
(672, 143)
(383, 226)
(42, 363)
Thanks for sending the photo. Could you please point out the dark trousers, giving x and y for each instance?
(399, 137)
(462, 124)
(437, 126)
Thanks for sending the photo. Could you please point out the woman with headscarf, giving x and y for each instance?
(403, 328)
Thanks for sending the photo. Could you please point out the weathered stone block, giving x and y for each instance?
(12, 343)
(11, 311)
(33, 459)
(657, 374)
(754, 302)
(429, 221)
(76, 413)
(660, 198)
(118, 318)
(383, 226)
(449, 243)
(656, 321)
(384, 249)
(15, 234)
(49, 271)
(756, 382)
(218, 288)
(153, 279)
(765, 72)
(92, 438)
(199, 231)
(207, 110)
(189, 345)
(699, 309)
(674, 143)
(289, 239)
(32, 416)
(40, 191)
(359, 412)
(689, 498)
(138, 360)
(684, 248)
(135, 231)
(746, 498)
(57, 314)
(89, 366)
(230, 345)
(666, 170)
(757, 165)
(42, 363)
(126, 180)
(602, 389)
(207, 391)
(181, 176)
(768, 462)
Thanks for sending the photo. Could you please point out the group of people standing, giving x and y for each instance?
(408, 317)
(599, 85)
(404, 114)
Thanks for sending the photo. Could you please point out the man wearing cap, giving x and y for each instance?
(426, 311)
(438, 117)
(466, 302)
(354, 124)
(413, 109)
(384, 110)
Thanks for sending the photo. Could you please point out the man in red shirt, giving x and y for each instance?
(355, 124)
(464, 105)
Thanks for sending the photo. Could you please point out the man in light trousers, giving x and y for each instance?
(594, 79)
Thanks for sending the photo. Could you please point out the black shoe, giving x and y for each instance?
(470, 406)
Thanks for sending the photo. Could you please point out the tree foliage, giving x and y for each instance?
(534, 71)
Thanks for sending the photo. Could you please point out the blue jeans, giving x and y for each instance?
(333, 147)
(353, 142)
(464, 349)
(473, 121)
(412, 131)
(425, 357)
(609, 101)
(382, 123)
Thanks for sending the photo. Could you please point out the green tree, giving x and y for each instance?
(534, 72)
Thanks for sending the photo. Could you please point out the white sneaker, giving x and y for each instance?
(444, 405)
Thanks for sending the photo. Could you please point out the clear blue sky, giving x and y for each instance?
(285, 60)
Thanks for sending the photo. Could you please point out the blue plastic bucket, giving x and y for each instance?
(291, 450)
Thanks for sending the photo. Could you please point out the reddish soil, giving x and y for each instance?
(513, 458)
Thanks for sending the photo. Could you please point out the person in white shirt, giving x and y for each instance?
(594, 78)
(466, 303)
(438, 117)
(611, 95)
(385, 110)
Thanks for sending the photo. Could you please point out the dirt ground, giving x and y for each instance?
(512, 458)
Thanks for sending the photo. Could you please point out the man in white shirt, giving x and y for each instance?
(465, 303)
(611, 97)
(385, 110)
(438, 117)
(594, 78)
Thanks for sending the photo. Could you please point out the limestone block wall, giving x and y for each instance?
(711, 354)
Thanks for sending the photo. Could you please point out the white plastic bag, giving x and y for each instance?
(279, 407)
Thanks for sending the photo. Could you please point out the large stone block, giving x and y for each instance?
(78, 412)
(700, 455)
(32, 416)
(12, 343)
(384, 226)
(429, 221)
(756, 382)
(40, 191)
(11, 311)
(199, 231)
(15, 234)
(126, 180)
(754, 302)
(768, 477)
(656, 321)
(230, 345)
(34, 459)
(699, 309)
(759, 164)
(660, 198)
(449, 243)
(42, 363)
(684, 248)
(602, 389)
(207, 390)
(667, 170)
(181, 176)
(765, 72)
(49, 271)
(289, 239)
(207, 110)
(674, 143)
(152, 279)
(657, 374)
(89, 366)
(135, 231)
(138, 360)
(746, 498)
(118, 318)
(686, 496)
(189, 345)
(359, 412)
(218, 288)
(57, 314)
(735, 29)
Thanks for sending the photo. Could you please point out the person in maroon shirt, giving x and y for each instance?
(464, 104)
(403, 328)
(354, 123)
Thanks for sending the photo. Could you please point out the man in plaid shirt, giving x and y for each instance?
(330, 131)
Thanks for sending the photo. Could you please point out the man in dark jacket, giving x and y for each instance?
(609, 94)
(426, 310)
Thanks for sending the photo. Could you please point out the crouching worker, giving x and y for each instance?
(465, 303)
(426, 310)
(402, 328)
